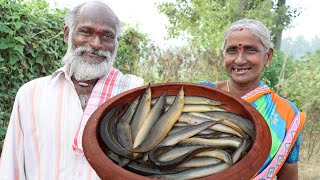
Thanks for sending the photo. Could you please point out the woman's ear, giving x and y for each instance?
(223, 56)
(66, 31)
(269, 57)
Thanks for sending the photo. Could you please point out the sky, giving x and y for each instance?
(144, 14)
(306, 24)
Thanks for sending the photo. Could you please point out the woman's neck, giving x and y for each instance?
(240, 90)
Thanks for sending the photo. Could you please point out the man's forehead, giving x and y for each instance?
(98, 14)
(97, 10)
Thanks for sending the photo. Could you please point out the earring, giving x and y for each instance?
(266, 65)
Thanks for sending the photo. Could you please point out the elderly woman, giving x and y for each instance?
(247, 50)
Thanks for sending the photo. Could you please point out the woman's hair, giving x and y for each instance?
(255, 27)
(72, 18)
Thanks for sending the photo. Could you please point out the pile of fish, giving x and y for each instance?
(175, 137)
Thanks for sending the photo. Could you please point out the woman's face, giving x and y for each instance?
(245, 57)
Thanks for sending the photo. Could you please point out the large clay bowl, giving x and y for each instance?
(244, 169)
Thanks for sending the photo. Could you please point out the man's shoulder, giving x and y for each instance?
(35, 82)
(132, 79)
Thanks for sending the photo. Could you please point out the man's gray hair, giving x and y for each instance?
(255, 27)
(72, 18)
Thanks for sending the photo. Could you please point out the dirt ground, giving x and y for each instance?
(309, 170)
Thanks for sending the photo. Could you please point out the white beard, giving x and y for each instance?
(83, 70)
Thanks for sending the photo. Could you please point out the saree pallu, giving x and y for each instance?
(285, 123)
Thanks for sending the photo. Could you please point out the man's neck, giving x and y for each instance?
(84, 89)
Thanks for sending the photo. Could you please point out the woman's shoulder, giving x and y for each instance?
(208, 83)
(287, 109)
(212, 84)
(284, 103)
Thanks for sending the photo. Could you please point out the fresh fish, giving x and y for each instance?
(186, 133)
(199, 162)
(123, 125)
(176, 129)
(141, 112)
(160, 130)
(173, 152)
(106, 132)
(225, 122)
(139, 168)
(192, 119)
(239, 153)
(191, 100)
(201, 108)
(195, 172)
(213, 135)
(245, 124)
(156, 111)
(218, 143)
(217, 153)
(154, 153)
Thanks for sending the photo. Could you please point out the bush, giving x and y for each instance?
(30, 46)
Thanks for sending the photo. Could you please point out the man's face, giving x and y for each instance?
(95, 30)
(91, 44)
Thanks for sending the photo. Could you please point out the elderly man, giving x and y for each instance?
(43, 140)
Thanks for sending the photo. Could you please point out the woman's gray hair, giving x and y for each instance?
(255, 27)
(72, 18)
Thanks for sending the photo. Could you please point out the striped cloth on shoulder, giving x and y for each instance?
(108, 86)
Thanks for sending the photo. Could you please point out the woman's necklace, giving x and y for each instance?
(228, 87)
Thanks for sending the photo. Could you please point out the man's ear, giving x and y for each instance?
(66, 31)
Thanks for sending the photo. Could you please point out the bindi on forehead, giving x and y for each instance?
(241, 29)
(240, 48)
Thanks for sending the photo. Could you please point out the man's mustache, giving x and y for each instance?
(82, 49)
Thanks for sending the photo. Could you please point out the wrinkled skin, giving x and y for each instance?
(94, 29)
(244, 58)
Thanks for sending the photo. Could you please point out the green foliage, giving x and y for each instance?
(181, 64)
(132, 45)
(30, 45)
(206, 20)
(302, 87)
(280, 68)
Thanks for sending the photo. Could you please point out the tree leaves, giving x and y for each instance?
(206, 20)
(20, 42)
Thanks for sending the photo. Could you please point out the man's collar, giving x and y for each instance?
(61, 71)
